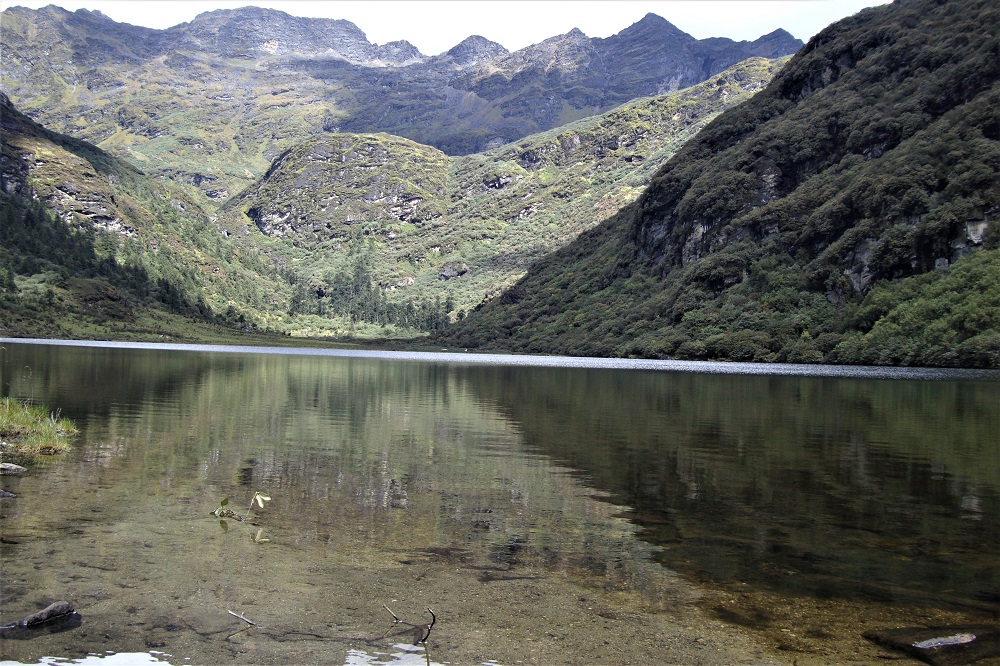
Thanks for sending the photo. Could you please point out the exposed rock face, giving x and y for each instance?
(76, 179)
(475, 49)
(33, 165)
(326, 185)
(453, 270)
(252, 32)
(14, 163)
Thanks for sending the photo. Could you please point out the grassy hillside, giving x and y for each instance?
(92, 245)
(846, 214)
(345, 234)
(451, 232)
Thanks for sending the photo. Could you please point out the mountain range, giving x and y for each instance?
(212, 102)
(648, 194)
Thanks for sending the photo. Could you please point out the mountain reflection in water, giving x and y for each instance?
(875, 485)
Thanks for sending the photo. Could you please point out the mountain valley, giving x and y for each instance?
(647, 194)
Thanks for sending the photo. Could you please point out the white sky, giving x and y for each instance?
(434, 26)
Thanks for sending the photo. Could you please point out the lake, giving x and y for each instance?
(545, 510)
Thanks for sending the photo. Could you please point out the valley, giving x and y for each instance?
(647, 194)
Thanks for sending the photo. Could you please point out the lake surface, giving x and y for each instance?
(546, 510)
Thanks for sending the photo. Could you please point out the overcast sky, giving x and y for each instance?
(434, 26)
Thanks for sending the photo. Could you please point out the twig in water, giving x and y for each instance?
(250, 624)
(428, 628)
(420, 631)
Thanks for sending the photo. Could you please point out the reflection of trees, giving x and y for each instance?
(841, 481)
(88, 382)
(357, 453)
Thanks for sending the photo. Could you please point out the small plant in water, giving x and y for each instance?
(225, 512)
(258, 498)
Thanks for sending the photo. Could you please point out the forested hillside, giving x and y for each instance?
(91, 245)
(847, 214)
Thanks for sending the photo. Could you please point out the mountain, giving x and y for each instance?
(211, 103)
(847, 213)
(90, 243)
(462, 228)
(407, 232)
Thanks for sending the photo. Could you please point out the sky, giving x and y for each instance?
(434, 26)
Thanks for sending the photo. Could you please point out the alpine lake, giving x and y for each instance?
(505, 509)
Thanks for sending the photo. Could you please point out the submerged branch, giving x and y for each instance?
(420, 631)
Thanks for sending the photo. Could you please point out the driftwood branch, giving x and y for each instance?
(420, 631)
(430, 626)
(250, 624)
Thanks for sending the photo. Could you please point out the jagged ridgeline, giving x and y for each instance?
(211, 103)
(847, 213)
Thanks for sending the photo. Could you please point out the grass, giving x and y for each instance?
(32, 430)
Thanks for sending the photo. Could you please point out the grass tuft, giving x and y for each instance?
(31, 431)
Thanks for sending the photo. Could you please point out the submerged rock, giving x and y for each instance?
(942, 646)
(56, 617)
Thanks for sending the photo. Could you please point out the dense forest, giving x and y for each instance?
(354, 295)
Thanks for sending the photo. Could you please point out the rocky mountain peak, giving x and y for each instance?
(475, 49)
(400, 52)
(773, 44)
(253, 32)
(460, 101)
(653, 26)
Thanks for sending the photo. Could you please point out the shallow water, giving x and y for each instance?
(547, 510)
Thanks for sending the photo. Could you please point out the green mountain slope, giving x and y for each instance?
(457, 230)
(830, 218)
(88, 238)
(363, 235)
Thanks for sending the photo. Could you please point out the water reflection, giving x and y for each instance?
(471, 485)
(825, 486)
